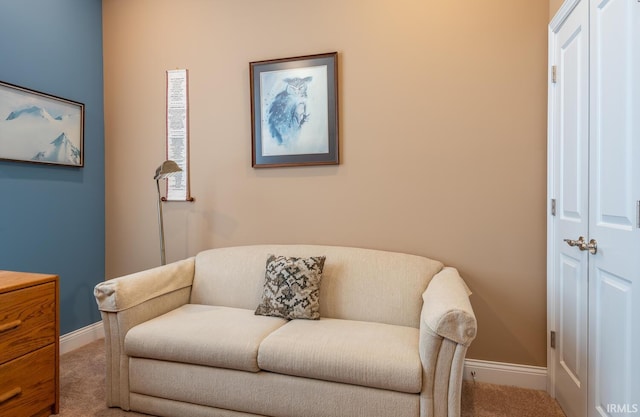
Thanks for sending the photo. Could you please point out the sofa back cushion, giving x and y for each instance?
(357, 284)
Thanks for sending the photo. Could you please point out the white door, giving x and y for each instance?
(614, 271)
(569, 147)
(594, 178)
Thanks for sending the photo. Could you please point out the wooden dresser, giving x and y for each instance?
(29, 344)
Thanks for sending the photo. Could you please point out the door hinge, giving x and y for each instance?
(552, 339)
(638, 208)
(553, 206)
(554, 73)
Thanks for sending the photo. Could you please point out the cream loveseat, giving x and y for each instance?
(184, 340)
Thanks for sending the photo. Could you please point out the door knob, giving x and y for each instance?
(580, 243)
(593, 246)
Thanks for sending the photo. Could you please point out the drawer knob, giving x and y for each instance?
(10, 394)
(8, 326)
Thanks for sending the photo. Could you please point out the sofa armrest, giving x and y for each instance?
(130, 300)
(122, 293)
(446, 310)
(447, 327)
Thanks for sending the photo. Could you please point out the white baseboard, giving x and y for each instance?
(523, 376)
(78, 338)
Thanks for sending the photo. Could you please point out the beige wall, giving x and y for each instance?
(554, 6)
(442, 130)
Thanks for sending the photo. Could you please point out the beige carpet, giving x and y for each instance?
(82, 392)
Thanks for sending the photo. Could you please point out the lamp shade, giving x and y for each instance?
(166, 170)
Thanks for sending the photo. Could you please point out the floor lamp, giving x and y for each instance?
(164, 171)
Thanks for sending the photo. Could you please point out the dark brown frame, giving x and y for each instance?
(259, 68)
(28, 101)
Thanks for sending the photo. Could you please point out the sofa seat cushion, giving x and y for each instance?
(361, 353)
(217, 336)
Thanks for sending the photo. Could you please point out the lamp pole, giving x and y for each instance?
(163, 259)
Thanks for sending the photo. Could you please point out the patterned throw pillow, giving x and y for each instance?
(292, 287)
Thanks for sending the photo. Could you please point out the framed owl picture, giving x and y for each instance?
(294, 111)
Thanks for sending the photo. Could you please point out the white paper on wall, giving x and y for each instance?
(178, 133)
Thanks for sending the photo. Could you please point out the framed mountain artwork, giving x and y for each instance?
(40, 128)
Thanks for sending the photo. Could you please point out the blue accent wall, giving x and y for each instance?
(52, 217)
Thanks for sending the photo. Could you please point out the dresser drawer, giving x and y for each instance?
(27, 320)
(27, 384)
